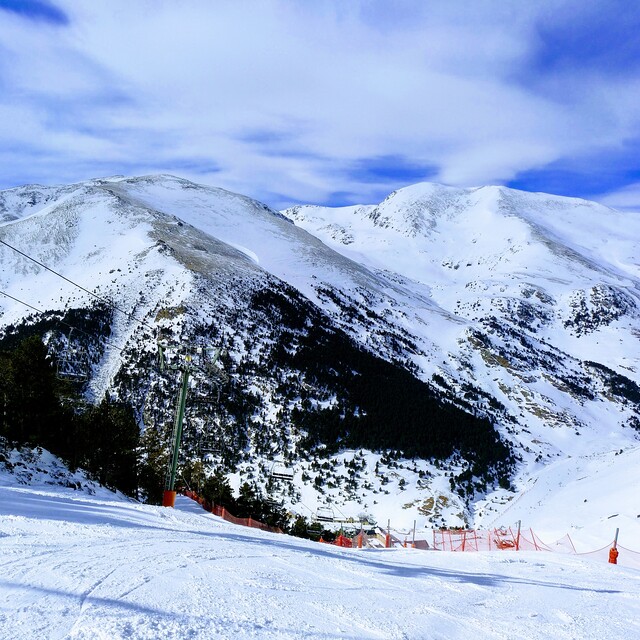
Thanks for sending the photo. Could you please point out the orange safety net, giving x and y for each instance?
(358, 541)
(506, 539)
(480, 540)
(221, 512)
(502, 539)
(459, 540)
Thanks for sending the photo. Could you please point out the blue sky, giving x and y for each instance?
(328, 101)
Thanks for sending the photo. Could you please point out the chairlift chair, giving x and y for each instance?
(280, 472)
(207, 444)
(71, 363)
(325, 514)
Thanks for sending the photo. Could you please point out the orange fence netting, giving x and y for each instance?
(217, 510)
(460, 540)
(506, 539)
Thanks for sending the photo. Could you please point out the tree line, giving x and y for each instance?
(252, 503)
(40, 409)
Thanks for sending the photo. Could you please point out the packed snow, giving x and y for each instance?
(83, 563)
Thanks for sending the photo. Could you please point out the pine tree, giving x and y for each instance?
(33, 413)
(111, 439)
(217, 489)
(153, 463)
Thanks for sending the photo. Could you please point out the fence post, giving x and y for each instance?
(533, 537)
(613, 552)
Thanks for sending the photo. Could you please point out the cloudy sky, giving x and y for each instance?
(325, 101)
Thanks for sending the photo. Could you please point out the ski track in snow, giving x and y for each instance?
(86, 567)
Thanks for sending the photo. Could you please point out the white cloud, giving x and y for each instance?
(283, 96)
(627, 199)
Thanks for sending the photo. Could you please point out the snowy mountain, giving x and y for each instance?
(517, 310)
(546, 288)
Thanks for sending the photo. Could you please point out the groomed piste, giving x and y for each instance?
(84, 563)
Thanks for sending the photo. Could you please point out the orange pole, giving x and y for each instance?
(533, 537)
(613, 552)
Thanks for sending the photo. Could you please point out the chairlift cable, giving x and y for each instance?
(75, 284)
(26, 304)
(341, 513)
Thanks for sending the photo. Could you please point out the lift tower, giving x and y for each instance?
(185, 360)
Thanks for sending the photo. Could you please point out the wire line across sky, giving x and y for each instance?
(75, 284)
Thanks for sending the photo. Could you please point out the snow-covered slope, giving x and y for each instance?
(76, 565)
(483, 250)
(587, 497)
(522, 307)
(547, 288)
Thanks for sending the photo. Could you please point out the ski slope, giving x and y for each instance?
(87, 564)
